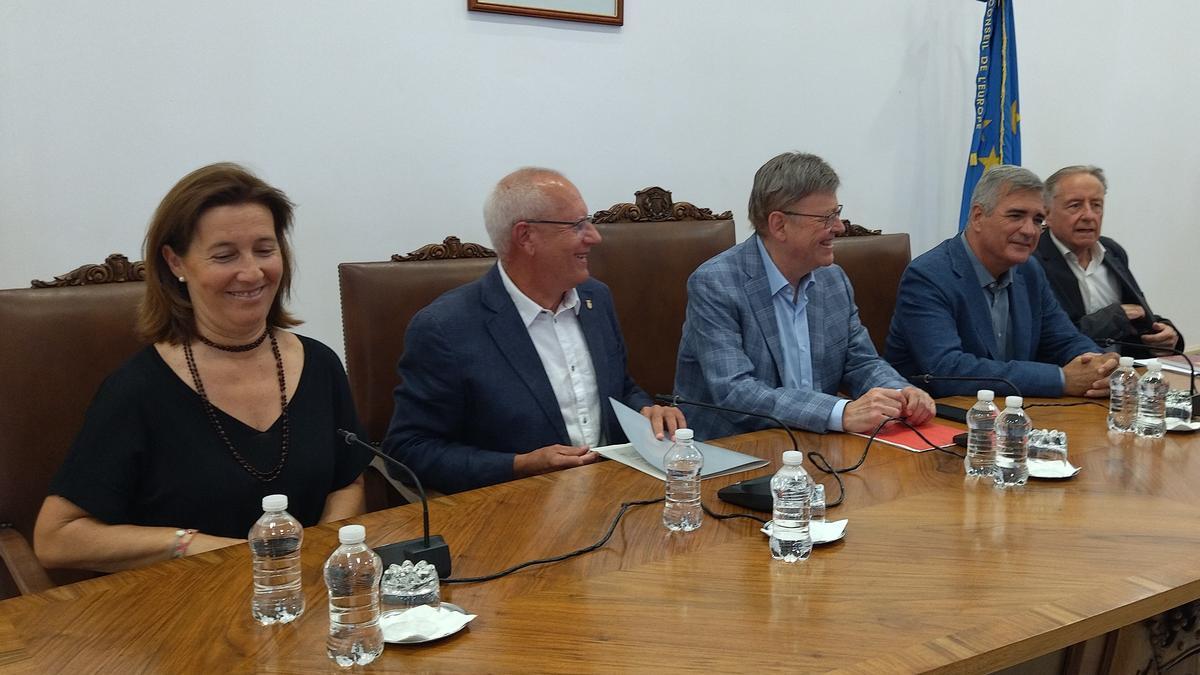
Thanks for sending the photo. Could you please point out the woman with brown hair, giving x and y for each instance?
(182, 442)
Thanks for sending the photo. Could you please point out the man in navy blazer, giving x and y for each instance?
(772, 327)
(976, 305)
(509, 376)
(1090, 273)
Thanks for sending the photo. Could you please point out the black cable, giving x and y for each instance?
(1064, 405)
(823, 464)
(728, 516)
(625, 506)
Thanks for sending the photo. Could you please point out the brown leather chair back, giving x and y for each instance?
(649, 249)
(378, 301)
(874, 263)
(56, 346)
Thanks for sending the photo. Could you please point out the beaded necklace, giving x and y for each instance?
(235, 348)
(264, 476)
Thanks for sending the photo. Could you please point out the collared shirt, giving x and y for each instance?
(791, 313)
(558, 338)
(1097, 283)
(996, 291)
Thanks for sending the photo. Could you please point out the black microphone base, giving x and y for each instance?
(951, 412)
(749, 494)
(437, 553)
(1196, 406)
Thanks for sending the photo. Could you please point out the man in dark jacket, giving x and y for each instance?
(1090, 273)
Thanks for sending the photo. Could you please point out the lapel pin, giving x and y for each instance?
(588, 302)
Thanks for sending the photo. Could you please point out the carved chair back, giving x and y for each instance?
(60, 339)
(650, 247)
(378, 301)
(874, 262)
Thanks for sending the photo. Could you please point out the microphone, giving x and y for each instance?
(953, 412)
(1108, 342)
(430, 548)
(754, 493)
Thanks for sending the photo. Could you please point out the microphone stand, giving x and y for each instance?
(953, 412)
(430, 548)
(675, 400)
(754, 493)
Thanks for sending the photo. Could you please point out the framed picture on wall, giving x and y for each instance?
(592, 11)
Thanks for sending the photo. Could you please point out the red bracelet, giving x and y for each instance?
(183, 539)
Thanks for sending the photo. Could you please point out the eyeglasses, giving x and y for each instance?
(577, 225)
(827, 219)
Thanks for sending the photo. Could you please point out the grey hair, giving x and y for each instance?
(1002, 180)
(516, 197)
(1053, 180)
(786, 178)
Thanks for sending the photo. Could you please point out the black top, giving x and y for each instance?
(148, 455)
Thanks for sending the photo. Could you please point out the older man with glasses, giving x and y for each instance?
(771, 323)
(510, 375)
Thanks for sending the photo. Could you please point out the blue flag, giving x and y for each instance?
(997, 138)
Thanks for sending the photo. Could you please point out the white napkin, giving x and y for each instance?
(1056, 468)
(822, 532)
(422, 623)
(1176, 424)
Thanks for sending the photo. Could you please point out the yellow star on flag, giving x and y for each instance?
(988, 161)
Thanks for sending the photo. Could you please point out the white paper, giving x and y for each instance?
(1176, 424)
(626, 454)
(1051, 468)
(717, 461)
(822, 532)
(422, 623)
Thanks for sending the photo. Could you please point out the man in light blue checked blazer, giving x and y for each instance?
(772, 326)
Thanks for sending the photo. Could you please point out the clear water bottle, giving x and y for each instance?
(1123, 397)
(1012, 444)
(981, 435)
(791, 490)
(682, 511)
(275, 549)
(352, 575)
(1152, 402)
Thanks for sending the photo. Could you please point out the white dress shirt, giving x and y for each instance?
(560, 344)
(1097, 283)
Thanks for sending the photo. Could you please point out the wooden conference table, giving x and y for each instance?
(935, 574)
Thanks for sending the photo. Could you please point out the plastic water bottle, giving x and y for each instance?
(1012, 444)
(275, 549)
(682, 511)
(981, 435)
(1152, 402)
(791, 490)
(1123, 397)
(352, 576)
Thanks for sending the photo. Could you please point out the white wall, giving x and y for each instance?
(387, 122)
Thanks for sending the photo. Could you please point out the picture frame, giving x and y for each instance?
(610, 12)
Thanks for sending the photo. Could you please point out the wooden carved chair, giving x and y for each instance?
(378, 301)
(650, 248)
(874, 262)
(61, 338)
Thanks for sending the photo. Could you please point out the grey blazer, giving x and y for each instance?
(730, 354)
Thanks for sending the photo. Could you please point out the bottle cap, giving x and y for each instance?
(793, 457)
(987, 395)
(275, 503)
(1126, 362)
(1153, 364)
(352, 534)
(1014, 401)
(683, 434)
